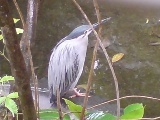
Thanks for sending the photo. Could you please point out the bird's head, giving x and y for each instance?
(84, 30)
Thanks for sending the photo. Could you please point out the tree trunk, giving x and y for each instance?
(18, 68)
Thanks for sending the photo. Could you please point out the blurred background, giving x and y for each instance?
(134, 31)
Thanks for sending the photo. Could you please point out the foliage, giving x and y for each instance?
(16, 20)
(76, 109)
(18, 30)
(133, 111)
(1, 37)
(8, 101)
(100, 116)
(6, 79)
(51, 115)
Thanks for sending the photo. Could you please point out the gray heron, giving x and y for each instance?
(67, 61)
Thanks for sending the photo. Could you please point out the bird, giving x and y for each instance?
(67, 61)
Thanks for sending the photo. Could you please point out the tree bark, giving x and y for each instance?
(29, 34)
(27, 41)
(17, 63)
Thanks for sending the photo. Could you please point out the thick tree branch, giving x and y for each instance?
(28, 38)
(17, 63)
(29, 30)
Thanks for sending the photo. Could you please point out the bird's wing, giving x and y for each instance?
(63, 67)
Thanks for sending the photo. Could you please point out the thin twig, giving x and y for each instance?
(93, 59)
(98, 17)
(19, 12)
(131, 96)
(107, 57)
(33, 76)
(59, 105)
(37, 93)
(2, 53)
(89, 79)
(156, 118)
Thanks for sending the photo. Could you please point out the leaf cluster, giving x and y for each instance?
(131, 112)
(8, 101)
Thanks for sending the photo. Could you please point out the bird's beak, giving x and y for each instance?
(95, 25)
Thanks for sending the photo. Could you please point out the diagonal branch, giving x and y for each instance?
(131, 96)
(19, 12)
(109, 62)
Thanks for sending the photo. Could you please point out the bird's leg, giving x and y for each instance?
(78, 94)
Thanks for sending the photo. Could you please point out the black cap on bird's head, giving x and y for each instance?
(85, 29)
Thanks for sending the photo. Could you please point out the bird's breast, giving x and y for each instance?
(81, 45)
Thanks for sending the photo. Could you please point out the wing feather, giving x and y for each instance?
(63, 67)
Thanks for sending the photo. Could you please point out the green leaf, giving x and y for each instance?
(13, 95)
(46, 115)
(76, 109)
(11, 105)
(51, 115)
(1, 37)
(2, 99)
(19, 30)
(15, 20)
(6, 78)
(101, 116)
(133, 111)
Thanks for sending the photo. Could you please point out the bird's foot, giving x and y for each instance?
(78, 94)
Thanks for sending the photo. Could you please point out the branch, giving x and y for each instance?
(19, 12)
(27, 38)
(29, 31)
(92, 64)
(131, 96)
(59, 105)
(108, 60)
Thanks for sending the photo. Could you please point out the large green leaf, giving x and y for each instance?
(13, 95)
(51, 115)
(11, 105)
(75, 109)
(6, 78)
(133, 111)
(101, 116)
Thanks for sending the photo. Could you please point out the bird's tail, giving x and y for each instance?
(53, 98)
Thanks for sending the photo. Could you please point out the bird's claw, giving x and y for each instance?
(78, 94)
